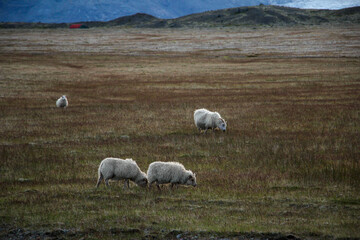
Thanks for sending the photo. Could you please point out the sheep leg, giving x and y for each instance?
(107, 182)
(126, 183)
(157, 184)
(99, 180)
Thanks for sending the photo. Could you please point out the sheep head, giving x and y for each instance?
(191, 179)
(221, 124)
(142, 181)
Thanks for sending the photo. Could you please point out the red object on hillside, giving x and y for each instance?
(75, 25)
(78, 26)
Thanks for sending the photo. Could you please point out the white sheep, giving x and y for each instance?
(62, 102)
(205, 119)
(120, 169)
(170, 172)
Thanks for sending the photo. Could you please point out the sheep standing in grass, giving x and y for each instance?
(119, 169)
(170, 172)
(205, 119)
(62, 102)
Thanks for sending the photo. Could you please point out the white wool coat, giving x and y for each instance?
(62, 102)
(120, 169)
(170, 172)
(205, 119)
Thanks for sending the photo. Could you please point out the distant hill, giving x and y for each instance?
(64, 11)
(262, 15)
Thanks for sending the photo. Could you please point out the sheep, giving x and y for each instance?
(170, 172)
(62, 102)
(205, 119)
(119, 169)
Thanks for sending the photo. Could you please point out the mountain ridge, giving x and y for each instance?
(63, 11)
(262, 15)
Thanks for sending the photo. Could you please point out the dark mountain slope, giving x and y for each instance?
(136, 19)
(269, 15)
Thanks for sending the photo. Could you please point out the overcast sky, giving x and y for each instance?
(322, 4)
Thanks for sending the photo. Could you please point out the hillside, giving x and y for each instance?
(269, 15)
(261, 15)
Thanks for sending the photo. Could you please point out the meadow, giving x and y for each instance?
(288, 166)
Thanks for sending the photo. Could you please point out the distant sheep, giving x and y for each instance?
(170, 172)
(119, 169)
(62, 102)
(205, 119)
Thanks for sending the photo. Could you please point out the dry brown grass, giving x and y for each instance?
(289, 162)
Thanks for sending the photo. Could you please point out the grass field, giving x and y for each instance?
(289, 164)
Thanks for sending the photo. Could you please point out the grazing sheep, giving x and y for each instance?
(170, 172)
(205, 119)
(62, 102)
(118, 169)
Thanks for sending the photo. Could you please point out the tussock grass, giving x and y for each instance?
(289, 162)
